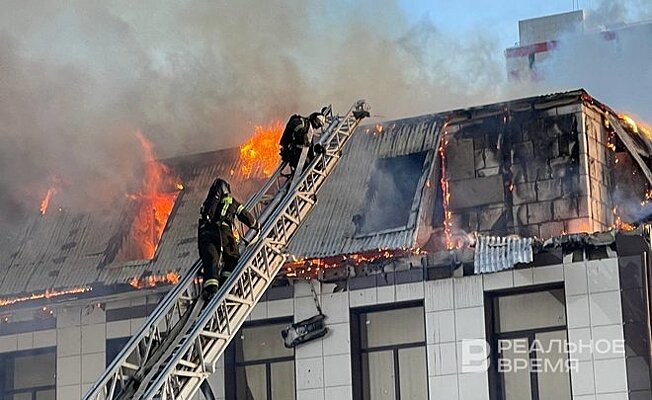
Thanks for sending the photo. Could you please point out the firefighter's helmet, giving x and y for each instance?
(221, 187)
(317, 120)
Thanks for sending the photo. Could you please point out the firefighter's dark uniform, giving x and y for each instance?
(294, 139)
(216, 238)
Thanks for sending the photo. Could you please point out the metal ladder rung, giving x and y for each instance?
(187, 363)
(214, 335)
(237, 299)
(189, 374)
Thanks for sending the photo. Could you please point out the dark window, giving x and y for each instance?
(28, 375)
(528, 343)
(258, 366)
(389, 353)
(114, 347)
(390, 194)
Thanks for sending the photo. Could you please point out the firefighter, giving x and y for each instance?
(216, 237)
(296, 137)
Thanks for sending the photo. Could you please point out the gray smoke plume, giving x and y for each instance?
(610, 12)
(617, 71)
(78, 78)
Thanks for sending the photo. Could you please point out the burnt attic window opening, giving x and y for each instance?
(150, 208)
(390, 194)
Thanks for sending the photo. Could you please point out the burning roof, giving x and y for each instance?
(512, 167)
(64, 249)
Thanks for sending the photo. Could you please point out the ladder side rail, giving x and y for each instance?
(230, 301)
(167, 305)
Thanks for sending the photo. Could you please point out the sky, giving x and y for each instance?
(499, 16)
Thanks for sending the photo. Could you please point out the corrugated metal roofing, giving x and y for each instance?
(493, 253)
(329, 230)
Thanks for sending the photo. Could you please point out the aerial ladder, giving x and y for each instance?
(180, 343)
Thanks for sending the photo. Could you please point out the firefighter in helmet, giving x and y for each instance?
(216, 237)
(296, 136)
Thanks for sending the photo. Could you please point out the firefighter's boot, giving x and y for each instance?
(210, 288)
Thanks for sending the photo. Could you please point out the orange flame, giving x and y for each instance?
(448, 223)
(159, 191)
(636, 127)
(45, 203)
(48, 294)
(309, 268)
(151, 281)
(260, 154)
(623, 226)
(52, 190)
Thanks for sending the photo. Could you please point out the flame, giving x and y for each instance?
(46, 200)
(169, 278)
(448, 224)
(52, 190)
(159, 191)
(623, 226)
(636, 127)
(261, 152)
(48, 294)
(379, 128)
(309, 268)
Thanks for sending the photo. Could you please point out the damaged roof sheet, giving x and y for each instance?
(330, 228)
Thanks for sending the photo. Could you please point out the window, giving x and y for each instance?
(393, 182)
(258, 366)
(389, 353)
(528, 346)
(114, 347)
(28, 375)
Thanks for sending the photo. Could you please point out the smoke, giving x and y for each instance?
(79, 78)
(616, 68)
(610, 12)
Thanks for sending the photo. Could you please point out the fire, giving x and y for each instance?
(46, 200)
(379, 128)
(636, 127)
(448, 224)
(159, 191)
(48, 294)
(310, 268)
(261, 152)
(52, 190)
(169, 278)
(623, 226)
